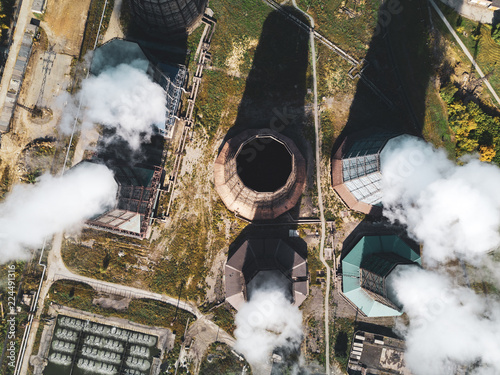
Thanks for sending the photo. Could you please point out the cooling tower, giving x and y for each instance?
(163, 18)
(356, 170)
(260, 174)
(366, 272)
(258, 262)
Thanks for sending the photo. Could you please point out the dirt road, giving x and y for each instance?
(64, 23)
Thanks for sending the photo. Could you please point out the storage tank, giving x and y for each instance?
(165, 18)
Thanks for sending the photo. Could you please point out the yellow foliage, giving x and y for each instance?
(487, 153)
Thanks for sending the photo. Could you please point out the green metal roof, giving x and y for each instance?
(367, 246)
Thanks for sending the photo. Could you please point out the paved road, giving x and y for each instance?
(57, 270)
(22, 21)
(466, 51)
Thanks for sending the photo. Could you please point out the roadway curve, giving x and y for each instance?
(320, 194)
(57, 270)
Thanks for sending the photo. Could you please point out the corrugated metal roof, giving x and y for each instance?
(361, 167)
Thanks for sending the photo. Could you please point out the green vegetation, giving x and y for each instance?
(6, 9)
(176, 264)
(436, 129)
(342, 333)
(314, 263)
(238, 23)
(217, 103)
(479, 40)
(349, 24)
(314, 333)
(495, 33)
(220, 360)
(5, 182)
(475, 131)
(93, 22)
(224, 317)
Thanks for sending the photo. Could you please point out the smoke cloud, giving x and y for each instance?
(266, 322)
(450, 325)
(30, 213)
(122, 98)
(454, 211)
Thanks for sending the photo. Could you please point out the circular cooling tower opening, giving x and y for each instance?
(264, 164)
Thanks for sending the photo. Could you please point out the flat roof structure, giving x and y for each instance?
(138, 190)
(356, 171)
(259, 259)
(170, 77)
(17, 78)
(365, 270)
(253, 200)
(85, 347)
(376, 354)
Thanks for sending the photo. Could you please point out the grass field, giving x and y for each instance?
(341, 338)
(477, 38)
(220, 360)
(350, 32)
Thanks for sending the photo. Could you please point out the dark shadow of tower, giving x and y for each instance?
(275, 91)
(400, 65)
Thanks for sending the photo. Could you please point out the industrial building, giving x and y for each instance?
(260, 174)
(138, 190)
(17, 78)
(259, 260)
(373, 354)
(168, 18)
(85, 347)
(170, 77)
(356, 171)
(366, 269)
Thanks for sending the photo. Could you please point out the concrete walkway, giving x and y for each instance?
(466, 51)
(320, 194)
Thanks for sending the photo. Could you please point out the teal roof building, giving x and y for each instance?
(366, 269)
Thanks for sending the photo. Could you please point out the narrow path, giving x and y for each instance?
(320, 194)
(466, 51)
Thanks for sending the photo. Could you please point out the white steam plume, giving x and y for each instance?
(266, 322)
(123, 98)
(454, 211)
(32, 212)
(449, 324)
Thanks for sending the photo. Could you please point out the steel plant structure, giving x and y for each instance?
(170, 77)
(167, 18)
(367, 268)
(258, 261)
(356, 171)
(260, 174)
(138, 190)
